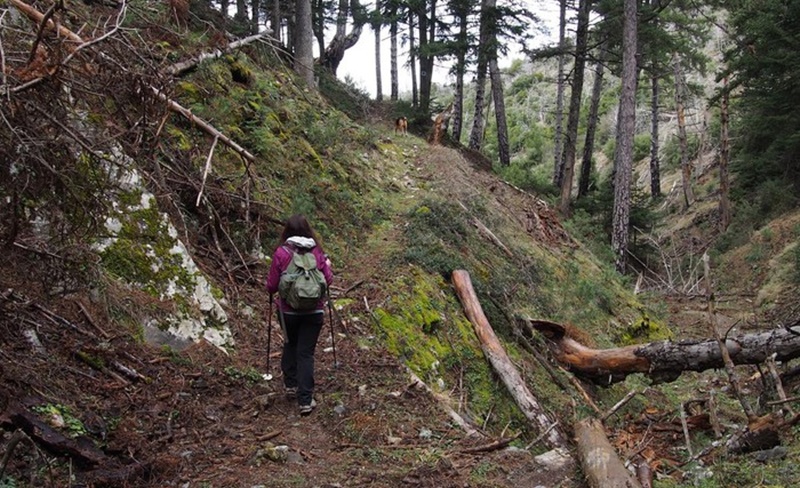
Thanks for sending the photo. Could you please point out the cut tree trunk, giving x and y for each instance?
(664, 361)
(502, 364)
(601, 465)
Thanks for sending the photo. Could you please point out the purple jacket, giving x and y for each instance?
(280, 261)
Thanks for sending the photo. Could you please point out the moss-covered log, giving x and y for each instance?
(664, 361)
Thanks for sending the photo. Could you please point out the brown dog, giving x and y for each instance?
(401, 126)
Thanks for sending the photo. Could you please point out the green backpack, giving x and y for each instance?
(302, 285)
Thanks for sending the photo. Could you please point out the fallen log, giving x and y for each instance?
(664, 361)
(601, 465)
(81, 450)
(501, 363)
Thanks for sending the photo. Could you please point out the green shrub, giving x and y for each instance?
(671, 155)
(641, 146)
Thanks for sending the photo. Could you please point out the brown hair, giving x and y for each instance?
(297, 226)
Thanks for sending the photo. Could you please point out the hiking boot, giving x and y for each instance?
(291, 392)
(307, 409)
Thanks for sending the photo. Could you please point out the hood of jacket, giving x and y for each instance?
(298, 242)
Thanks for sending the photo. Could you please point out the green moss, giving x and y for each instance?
(240, 72)
(644, 329)
(179, 138)
(142, 251)
(92, 361)
(189, 91)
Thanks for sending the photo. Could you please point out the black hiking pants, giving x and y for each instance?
(301, 333)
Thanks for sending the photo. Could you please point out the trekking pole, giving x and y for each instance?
(268, 375)
(330, 319)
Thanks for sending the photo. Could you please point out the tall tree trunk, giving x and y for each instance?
(412, 60)
(686, 169)
(393, 54)
(342, 41)
(318, 19)
(476, 134)
(427, 35)
(255, 22)
(591, 127)
(224, 6)
(241, 11)
(655, 163)
(304, 42)
(558, 168)
(461, 14)
(625, 129)
(275, 20)
(571, 136)
(378, 85)
(499, 111)
(724, 156)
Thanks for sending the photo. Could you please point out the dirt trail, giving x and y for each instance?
(204, 418)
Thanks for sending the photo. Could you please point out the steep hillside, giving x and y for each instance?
(142, 203)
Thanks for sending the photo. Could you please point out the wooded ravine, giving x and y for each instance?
(488, 326)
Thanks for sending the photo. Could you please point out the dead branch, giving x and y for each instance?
(445, 404)
(37, 16)
(183, 66)
(16, 437)
(726, 355)
(206, 170)
(492, 446)
(618, 405)
(91, 321)
(773, 370)
(208, 128)
(490, 235)
(685, 428)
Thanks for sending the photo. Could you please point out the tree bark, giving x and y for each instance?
(558, 137)
(395, 89)
(427, 35)
(342, 41)
(623, 161)
(655, 164)
(304, 42)
(275, 20)
(686, 169)
(573, 118)
(376, 27)
(476, 134)
(502, 364)
(462, 18)
(664, 361)
(255, 22)
(412, 59)
(601, 465)
(499, 112)
(724, 156)
(591, 128)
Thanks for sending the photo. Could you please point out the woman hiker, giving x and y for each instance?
(301, 328)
